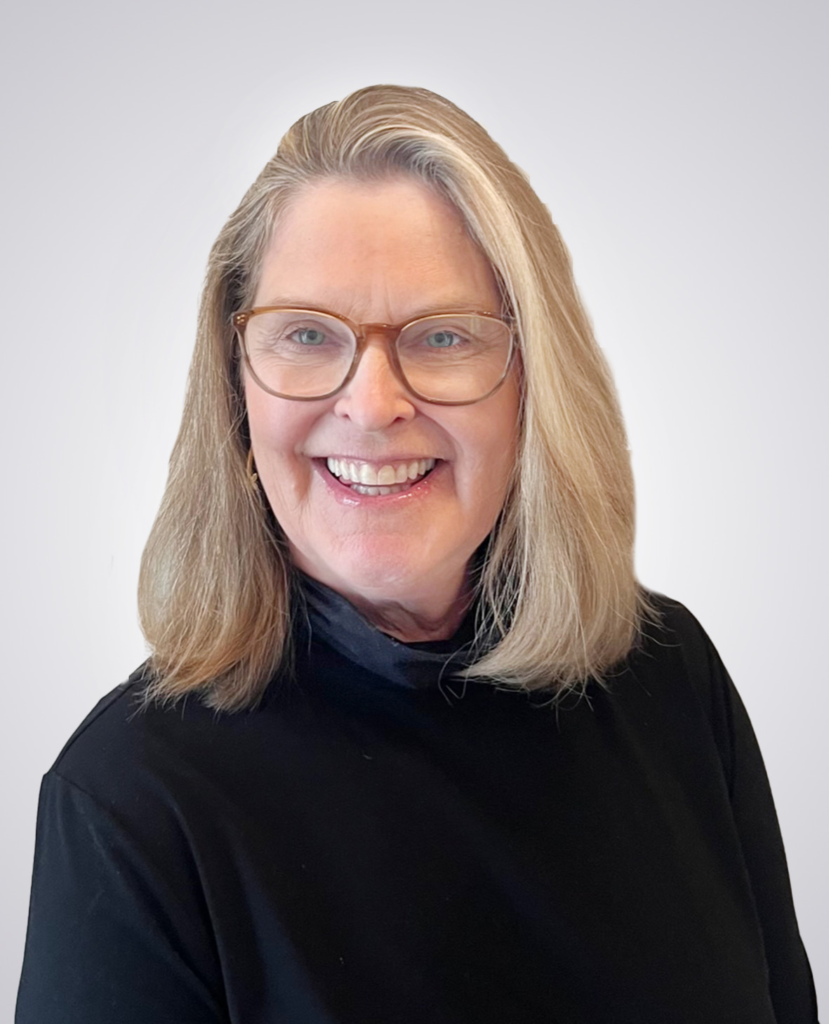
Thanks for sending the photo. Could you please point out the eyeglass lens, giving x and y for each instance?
(457, 357)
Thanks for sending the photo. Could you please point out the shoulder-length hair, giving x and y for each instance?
(557, 598)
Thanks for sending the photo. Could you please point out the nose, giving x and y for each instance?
(375, 398)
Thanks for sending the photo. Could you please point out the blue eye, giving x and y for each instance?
(309, 336)
(443, 339)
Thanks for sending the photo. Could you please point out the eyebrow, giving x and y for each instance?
(455, 306)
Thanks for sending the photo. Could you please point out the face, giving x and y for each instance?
(381, 253)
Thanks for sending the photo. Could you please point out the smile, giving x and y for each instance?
(391, 478)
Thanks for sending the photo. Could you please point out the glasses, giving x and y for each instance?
(444, 358)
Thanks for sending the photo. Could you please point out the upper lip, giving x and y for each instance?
(382, 460)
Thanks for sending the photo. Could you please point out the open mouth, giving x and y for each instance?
(372, 480)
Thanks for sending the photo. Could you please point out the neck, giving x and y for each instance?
(432, 613)
(410, 624)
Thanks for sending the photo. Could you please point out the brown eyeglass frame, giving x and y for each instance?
(362, 332)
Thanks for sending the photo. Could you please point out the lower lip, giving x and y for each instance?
(346, 496)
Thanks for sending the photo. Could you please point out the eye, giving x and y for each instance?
(308, 336)
(443, 339)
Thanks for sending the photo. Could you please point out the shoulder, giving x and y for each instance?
(103, 724)
(678, 664)
(118, 750)
(674, 622)
(127, 746)
(675, 638)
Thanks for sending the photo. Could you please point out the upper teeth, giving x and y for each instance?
(385, 476)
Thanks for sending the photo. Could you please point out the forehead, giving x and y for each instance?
(375, 251)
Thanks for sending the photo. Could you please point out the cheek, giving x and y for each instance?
(492, 446)
(277, 430)
(487, 467)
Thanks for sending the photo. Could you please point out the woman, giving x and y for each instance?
(413, 744)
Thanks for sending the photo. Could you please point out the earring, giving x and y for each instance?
(252, 476)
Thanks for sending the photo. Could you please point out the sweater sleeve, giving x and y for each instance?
(113, 937)
(790, 978)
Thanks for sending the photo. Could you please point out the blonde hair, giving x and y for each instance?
(557, 591)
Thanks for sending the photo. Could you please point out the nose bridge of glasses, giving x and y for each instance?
(387, 335)
(388, 332)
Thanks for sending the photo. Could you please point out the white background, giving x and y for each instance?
(680, 147)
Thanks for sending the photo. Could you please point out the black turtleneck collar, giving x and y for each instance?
(336, 622)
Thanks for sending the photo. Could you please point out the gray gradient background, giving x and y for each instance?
(681, 149)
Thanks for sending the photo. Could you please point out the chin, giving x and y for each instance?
(390, 579)
(379, 569)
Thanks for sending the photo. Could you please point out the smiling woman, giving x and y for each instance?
(398, 527)
(386, 252)
(391, 206)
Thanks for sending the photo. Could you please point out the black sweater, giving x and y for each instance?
(378, 844)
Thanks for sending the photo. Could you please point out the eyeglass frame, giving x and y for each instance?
(361, 333)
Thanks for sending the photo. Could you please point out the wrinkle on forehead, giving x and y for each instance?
(383, 251)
